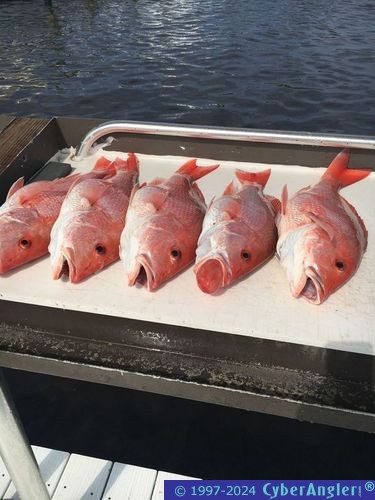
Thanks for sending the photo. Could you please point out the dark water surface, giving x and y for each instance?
(285, 64)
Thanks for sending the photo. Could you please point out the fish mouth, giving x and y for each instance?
(65, 266)
(143, 274)
(212, 274)
(311, 288)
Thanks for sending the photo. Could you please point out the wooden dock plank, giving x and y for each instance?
(4, 479)
(51, 463)
(158, 493)
(128, 482)
(84, 478)
(5, 120)
(16, 136)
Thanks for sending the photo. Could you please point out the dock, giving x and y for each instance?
(73, 477)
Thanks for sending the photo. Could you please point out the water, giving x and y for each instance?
(291, 64)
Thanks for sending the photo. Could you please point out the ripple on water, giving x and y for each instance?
(286, 64)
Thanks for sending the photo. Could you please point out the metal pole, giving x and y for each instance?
(228, 134)
(16, 450)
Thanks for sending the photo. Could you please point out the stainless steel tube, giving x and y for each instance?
(227, 134)
(16, 451)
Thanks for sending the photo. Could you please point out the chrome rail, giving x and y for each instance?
(226, 134)
(16, 451)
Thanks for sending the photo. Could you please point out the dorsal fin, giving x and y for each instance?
(16, 186)
(134, 190)
(30, 191)
(94, 174)
(276, 204)
(284, 199)
(230, 189)
(339, 173)
(260, 178)
(191, 169)
(155, 182)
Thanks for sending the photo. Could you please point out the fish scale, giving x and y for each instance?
(162, 227)
(321, 236)
(86, 235)
(239, 232)
(26, 220)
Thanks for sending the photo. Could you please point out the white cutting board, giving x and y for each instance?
(258, 306)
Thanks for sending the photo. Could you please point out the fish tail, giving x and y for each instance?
(339, 173)
(103, 164)
(113, 166)
(132, 163)
(191, 169)
(260, 178)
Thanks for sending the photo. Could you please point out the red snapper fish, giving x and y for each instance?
(26, 219)
(86, 236)
(321, 236)
(239, 232)
(162, 227)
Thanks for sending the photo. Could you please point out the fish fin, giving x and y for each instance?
(199, 193)
(132, 162)
(210, 204)
(191, 170)
(155, 182)
(260, 178)
(275, 202)
(33, 190)
(158, 197)
(284, 199)
(230, 189)
(60, 183)
(359, 218)
(94, 174)
(103, 164)
(16, 186)
(91, 193)
(231, 209)
(323, 224)
(85, 203)
(339, 173)
(105, 168)
(134, 190)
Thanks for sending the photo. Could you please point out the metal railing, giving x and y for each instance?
(225, 134)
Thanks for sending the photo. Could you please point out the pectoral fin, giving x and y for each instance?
(323, 224)
(284, 199)
(16, 186)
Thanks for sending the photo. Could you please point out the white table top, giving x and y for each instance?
(258, 306)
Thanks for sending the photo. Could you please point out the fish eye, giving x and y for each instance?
(100, 249)
(340, 265)
(24, 243)
(245, 255)
(175, 254)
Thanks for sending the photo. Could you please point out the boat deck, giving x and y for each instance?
(291, 359)
(72, 477)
